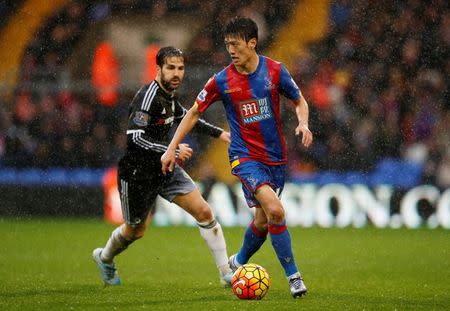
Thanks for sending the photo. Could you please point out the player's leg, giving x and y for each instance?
(258, 181)
(135, 208)
(279, 234)
(280, 237)
(254, 237)
(210, 229)
(120, 239)
(252, 175)
(182, 191)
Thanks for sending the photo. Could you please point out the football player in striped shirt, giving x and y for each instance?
(250, 89)
(152, 113)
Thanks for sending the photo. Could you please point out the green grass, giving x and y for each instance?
(46, 265)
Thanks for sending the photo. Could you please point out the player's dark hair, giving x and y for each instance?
(165, 52)
(241, 27)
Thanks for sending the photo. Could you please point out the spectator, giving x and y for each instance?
(378, 84)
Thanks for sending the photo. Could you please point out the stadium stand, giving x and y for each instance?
(378, 87)
(51, 125)
(6, 9)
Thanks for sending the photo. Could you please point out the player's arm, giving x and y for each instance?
(302, 112)
(204, 127)
(138, 122)
(136, 137)
(205, 98)
(289, 88)
(186, 125)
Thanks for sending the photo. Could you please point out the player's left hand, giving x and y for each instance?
(307, 136)
(225, 136)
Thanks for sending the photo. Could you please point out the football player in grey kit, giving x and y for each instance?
(152, 113)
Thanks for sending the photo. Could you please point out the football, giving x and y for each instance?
(250, 281)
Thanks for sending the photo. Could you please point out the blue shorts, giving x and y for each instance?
(255, 174)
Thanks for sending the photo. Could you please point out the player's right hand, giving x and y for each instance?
(185, 152)
(168, 160)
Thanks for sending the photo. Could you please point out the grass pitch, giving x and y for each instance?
(46, 264)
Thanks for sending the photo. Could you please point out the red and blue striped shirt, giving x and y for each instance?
(252, 105)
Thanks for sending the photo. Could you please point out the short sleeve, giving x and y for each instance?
(208, 95)
(287, 85)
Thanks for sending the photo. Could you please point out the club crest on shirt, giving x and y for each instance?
(268, 85)
(140, 118)
(255, 110)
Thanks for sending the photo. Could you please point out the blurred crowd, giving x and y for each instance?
(7, 7)
(377, 84)
(50, 122)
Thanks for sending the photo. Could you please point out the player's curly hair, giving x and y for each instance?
(165, 52)
(241, 27)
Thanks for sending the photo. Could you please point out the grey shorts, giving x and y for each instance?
(138, 195)
(178, 183)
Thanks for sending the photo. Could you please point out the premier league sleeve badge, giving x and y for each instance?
(140, 118)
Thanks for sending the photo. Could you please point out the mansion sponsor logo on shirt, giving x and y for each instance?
(255, 110)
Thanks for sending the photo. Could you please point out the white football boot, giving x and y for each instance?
(234, 265)
(225, 279)
(108, 272)
(296, 285)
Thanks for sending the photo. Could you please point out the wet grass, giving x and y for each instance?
(45, 264)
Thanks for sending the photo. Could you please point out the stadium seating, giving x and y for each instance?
(376, 86)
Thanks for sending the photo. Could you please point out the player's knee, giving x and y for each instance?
(203, 214)
(134, 233)
(137, 235)
(276, 215)
(261, 225)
